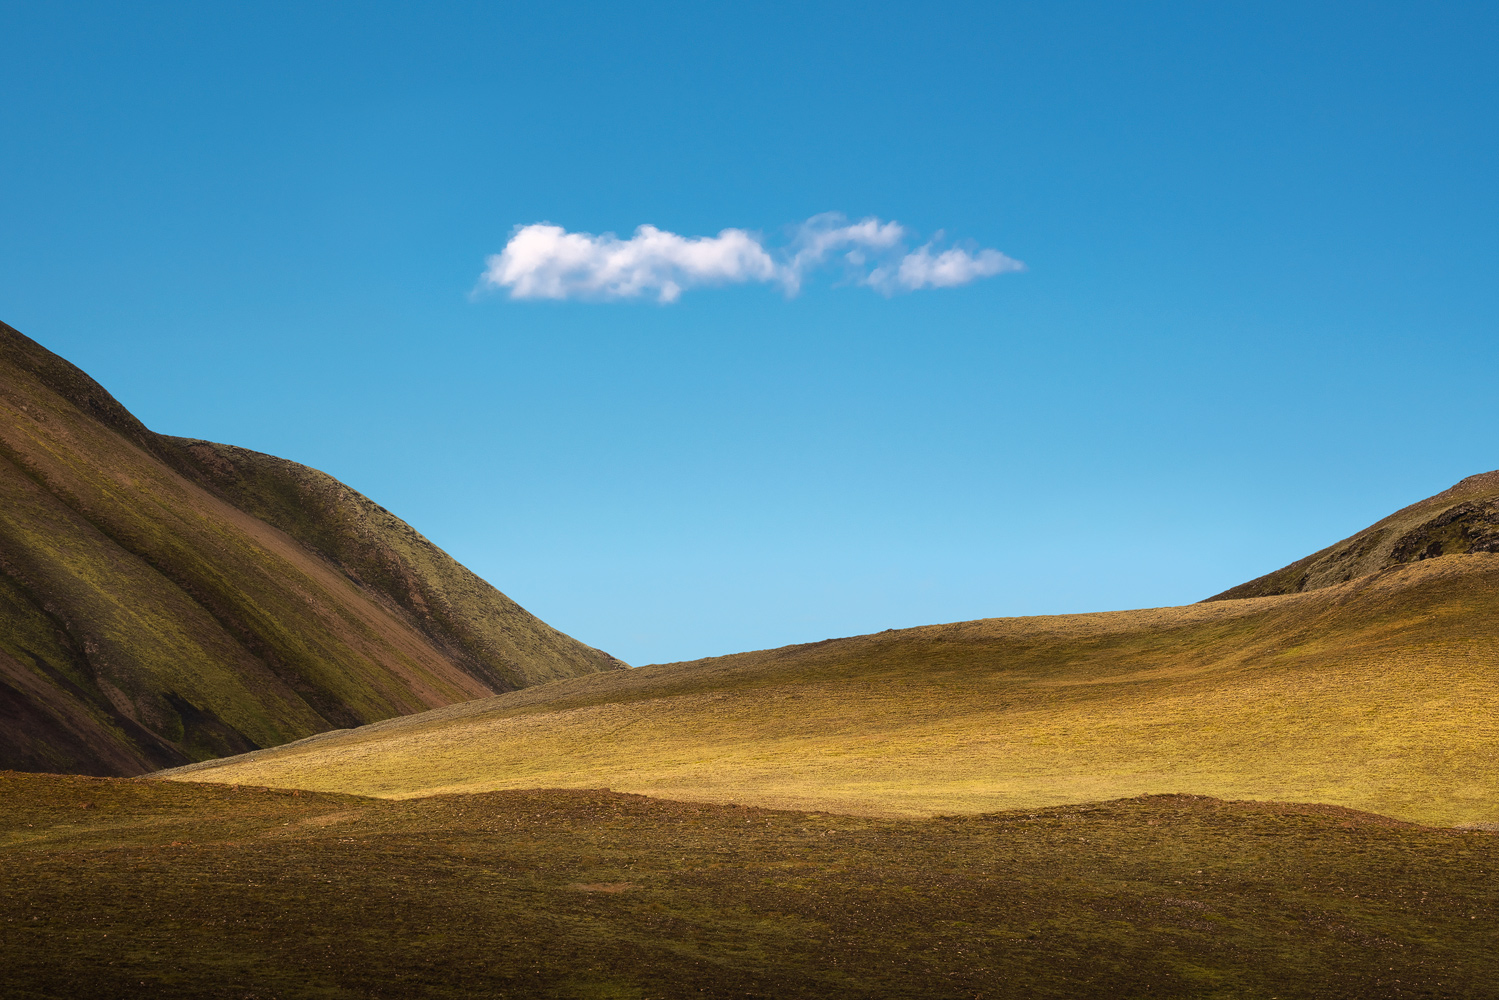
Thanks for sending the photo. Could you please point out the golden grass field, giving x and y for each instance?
(1380, 694)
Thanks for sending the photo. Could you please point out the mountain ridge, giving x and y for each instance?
(164, 600)
(1461, 519)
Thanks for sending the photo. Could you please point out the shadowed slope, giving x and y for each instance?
(157, 608)
(205, 891)
(1380, 694)
(473, 624)
(1459, 520)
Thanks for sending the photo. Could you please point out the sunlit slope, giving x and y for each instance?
(1381, 694)
(155, 611)
(1459, 520)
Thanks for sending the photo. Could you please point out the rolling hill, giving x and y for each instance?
(1378, 693)
(1023, 807)
(165, 600)
(119, 887)
(1460, 520)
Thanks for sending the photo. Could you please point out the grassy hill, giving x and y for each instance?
(1025, 807)
(165, 600)
(118, 887)
(1379, 694)
(1462, 519)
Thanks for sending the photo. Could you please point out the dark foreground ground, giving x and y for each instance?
(123, 888)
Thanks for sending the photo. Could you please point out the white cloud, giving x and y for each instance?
(818, 237)
(947, 269)
(543, 261)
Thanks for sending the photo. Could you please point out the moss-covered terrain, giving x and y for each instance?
(165, 601)
(117, 887)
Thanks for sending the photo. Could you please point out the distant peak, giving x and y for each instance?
(1460, 520)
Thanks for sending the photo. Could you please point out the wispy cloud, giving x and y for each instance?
(926, 268)
(823, 236)
(543, 261)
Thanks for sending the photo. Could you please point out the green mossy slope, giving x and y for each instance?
(469, 620)
(159, 605)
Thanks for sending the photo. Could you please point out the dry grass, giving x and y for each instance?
(1464, 518)
(1381, 694)
(203, 891)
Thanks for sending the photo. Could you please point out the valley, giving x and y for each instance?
(270, 742)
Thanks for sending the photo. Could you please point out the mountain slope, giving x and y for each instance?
(1456, 521)
(164, 600)
(1378, 694)
(473, 624)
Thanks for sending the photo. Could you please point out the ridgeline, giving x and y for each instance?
(165, 600)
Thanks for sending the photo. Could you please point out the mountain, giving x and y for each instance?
(1457, 521)
(1376, 694)
(165, 600)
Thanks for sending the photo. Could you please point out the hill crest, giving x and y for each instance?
(1459, 520)
(164, 600)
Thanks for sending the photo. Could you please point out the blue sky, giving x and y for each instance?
(1258, 310)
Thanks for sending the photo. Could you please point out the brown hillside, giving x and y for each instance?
(1379, 694)
(216, 892)
(1457, 521)
(164, 600)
